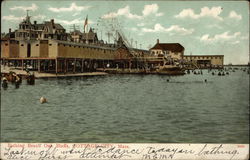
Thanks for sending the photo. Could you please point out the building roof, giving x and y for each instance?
(174, 47)
(9, 35)
(26, 21)
(89, 36)
(76, 32)
(107, 47)
(204, 55)
(51, 25)
(39, 26)
(140, 50)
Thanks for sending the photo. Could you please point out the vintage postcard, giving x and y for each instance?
(124, 79)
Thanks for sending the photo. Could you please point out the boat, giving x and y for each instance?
(170, 70)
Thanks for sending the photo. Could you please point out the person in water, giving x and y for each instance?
(5, 83)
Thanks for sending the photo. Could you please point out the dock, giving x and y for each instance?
(53, 75)
(40, 75)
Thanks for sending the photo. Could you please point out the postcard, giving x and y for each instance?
(130, 80)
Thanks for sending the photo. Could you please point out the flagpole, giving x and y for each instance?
(87, 34)
(86, 24)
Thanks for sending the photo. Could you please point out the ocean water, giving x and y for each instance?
(129, 108)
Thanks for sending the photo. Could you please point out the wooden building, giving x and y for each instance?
(205, 61)
(64, 56)
(174, 51)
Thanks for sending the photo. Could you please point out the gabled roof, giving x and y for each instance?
(89, 36)
(58, 26)
(39, 26)
(174, 47)
(9, 35)
(50, 26)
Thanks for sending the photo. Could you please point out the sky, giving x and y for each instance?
(202, 27)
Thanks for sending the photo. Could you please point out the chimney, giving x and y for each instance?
(158, 41)
(52, 21)
(9, 30)
(34, 22)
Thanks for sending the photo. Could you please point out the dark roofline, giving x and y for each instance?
(203, 55)
(171, 46)
(85, 45)
(143, 50)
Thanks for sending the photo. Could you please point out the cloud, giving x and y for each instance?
(122, 12)
(244, 37)
(159, 14)
(151, 9)
(219, 37)
(140, 34)
(140, 24)
(235, 42)
(39, 16)
(214, 12)
(174, 29)
(17, 19)
(214, 26)
(74, 21)
(33, 7)
(234, 15)
(134, 29)
(75, 14)
(73, 7)
(12, 18)
(148, 10)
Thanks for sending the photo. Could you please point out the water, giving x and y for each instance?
(129, 108)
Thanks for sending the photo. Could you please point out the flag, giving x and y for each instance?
(85, 23)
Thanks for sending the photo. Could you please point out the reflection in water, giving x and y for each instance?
(129, 108)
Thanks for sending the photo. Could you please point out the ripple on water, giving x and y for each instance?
(129, 108)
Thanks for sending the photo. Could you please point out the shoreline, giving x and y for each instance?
(99, 72)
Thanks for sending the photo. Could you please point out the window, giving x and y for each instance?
(37, 44)
(50, 44)
(6, 44)
(21, 44)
